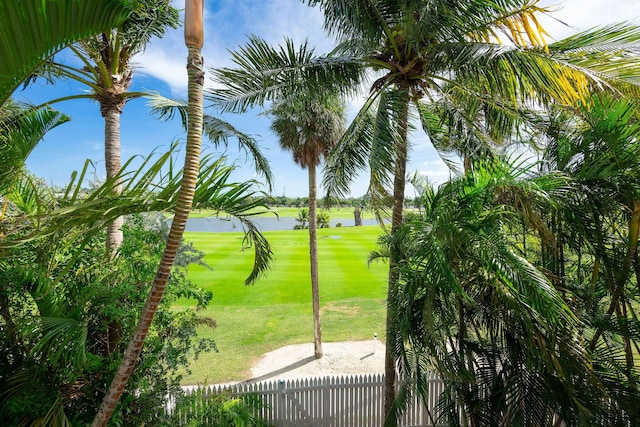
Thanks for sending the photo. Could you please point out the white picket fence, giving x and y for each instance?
(331, 401)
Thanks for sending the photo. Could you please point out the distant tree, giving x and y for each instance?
(302, 218)
(357, 216)
(324, 220)
(107, 71)
(308, 122)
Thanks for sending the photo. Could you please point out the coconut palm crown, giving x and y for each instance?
(490, 53)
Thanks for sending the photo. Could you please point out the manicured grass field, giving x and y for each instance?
(276, 311)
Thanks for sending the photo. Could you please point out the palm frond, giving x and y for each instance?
(20, 132)
(52, 24)
(265, 73)
(149, 19)
(62, 340)
(350, 155)
(217, 131)
(29, 381)
(151, 188)
(167, 108)
(610, 54)
(220, 132)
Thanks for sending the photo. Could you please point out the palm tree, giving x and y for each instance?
(421, 51)
(472, 308)
(303, 218)
(309, 126)
(58, 25)
(601, 224)
(464, 270)
(307, 118)
(102, 206)
(194, 37)
(20, 131)
(107, 71)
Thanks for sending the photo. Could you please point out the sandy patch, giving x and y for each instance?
(295, 361)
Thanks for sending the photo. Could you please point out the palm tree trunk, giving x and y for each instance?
(313, 258)
(112, 165)
(183, 208)
(396, 221)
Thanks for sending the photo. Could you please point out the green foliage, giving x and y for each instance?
(324, 220)
(519, 285)
(219, 410)
(302, 218)
(352, 301)
(20, 131)
(70, 311)
(148, 188)
(54, 24)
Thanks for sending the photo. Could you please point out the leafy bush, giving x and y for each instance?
(324, 220)
(218, 410)
(68, 312)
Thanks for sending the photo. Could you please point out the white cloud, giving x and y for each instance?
(572, 16)
(226, 26)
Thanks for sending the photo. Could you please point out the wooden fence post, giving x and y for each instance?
(282, 404)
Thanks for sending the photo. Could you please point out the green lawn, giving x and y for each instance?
(276, 311)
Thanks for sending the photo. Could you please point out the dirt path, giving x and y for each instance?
(295, 361)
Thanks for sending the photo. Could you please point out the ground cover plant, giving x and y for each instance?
(276, 311)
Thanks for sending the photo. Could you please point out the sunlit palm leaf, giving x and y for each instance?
(266, 74)
(218, 131)
(32, 30)
(153, 189)
(20, 132)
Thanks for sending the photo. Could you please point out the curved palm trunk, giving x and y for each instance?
(113, 164)
(193, 23)
(396, 221)
(313, 258)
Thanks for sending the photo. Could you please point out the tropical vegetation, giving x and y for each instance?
(517, 280)
(451, 51)
(152, 187)
(424, 53)
(105, 68)
(58, 308)
(308, 121)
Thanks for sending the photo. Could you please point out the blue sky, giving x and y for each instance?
(162, 68)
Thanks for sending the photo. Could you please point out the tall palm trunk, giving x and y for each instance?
(400, 169)
(111, 114)
(313, 258)
(193, 39)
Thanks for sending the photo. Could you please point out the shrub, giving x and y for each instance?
(61, 360)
